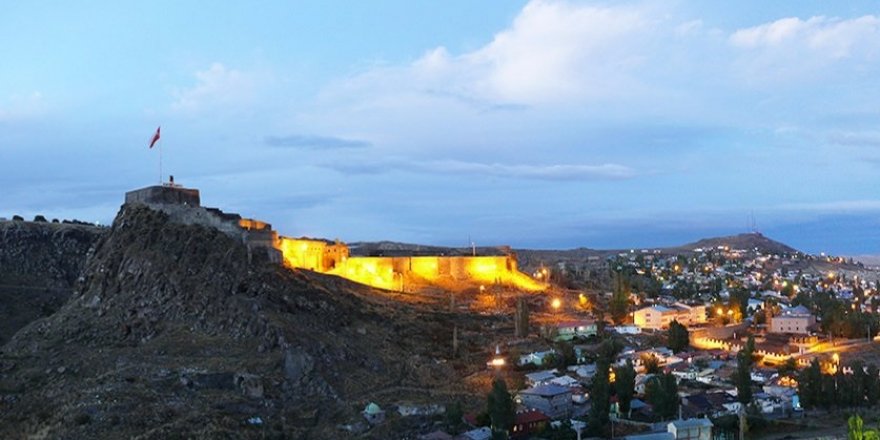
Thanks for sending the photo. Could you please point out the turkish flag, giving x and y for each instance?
(155, 137)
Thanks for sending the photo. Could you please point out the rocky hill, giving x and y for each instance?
(750, 241)
(39, 264)
(173, 333)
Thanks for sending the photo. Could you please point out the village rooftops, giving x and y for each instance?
(691, 423)
(546, 390)
(796, 311)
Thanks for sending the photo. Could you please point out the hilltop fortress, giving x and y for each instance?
(398, 272)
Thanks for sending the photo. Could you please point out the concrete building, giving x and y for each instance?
(569, 330)
(552, 400)
(796, 320)
(690, 429)
(658, 317)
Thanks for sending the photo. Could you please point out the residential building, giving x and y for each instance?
(691, 429)
(552, 400)
(539, 378)
(569, 330)
(658, 317)
(528, 423)
(797, 320)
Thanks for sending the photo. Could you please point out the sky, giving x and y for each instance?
(538, 124)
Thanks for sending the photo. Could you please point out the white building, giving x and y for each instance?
(793, 320)
(658, 317)
(691, 429)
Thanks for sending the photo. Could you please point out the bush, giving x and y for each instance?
(17, 218)
(40, 218)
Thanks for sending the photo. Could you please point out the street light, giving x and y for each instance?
(556, 303)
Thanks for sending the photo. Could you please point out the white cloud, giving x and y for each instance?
(827, 37)
(835, 206)
(216, 87)
(560, 172)
(536, 171)
(554, 51)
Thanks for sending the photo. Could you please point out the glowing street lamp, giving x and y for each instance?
(556, 303)
(836, 358)
(498, 361)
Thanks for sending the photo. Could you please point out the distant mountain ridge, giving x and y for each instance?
(746, 241)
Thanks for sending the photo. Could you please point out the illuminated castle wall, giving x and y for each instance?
(395, 273)
(183, 205)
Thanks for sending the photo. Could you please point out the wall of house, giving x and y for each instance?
(791, 324)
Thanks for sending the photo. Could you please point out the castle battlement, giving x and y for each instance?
(164, 195)
(183, 205)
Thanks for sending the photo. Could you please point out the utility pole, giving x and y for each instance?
(455, 341)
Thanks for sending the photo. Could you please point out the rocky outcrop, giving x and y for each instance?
(39, 265)
(173, 331)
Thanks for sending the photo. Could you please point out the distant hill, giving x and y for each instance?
(532, 258)
(750, 241)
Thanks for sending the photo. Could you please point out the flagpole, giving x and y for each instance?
(160, 161)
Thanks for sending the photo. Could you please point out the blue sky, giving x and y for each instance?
(549, 124)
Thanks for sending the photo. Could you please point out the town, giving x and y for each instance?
(707, 342)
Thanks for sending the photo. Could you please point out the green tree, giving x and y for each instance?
(678, 336)
(743, 375)
(454, 415)
(651, 364)
(788, 368)
(625, 386)
(600, 394)
(619, 306)
(500, 407)
(662, 393)
(566, 354)
(872, 385)
(856, 430)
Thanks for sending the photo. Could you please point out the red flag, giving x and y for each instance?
(155, 137)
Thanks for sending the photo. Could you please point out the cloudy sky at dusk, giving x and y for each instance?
(544, 124)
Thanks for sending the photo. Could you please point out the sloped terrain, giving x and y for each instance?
(748, 241)
(39, 264)
(173, 333)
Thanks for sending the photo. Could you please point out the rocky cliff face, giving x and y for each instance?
(39, 264)
(173, 332)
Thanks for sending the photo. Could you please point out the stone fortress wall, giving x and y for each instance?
(183, 205)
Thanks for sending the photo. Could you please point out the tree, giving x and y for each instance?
(500, 407)
(679, 337)
(662, 393)
(872, 385)
(788, 368)
(810, 385)
(454, 415)
(856, 430)
(619, 306)
(600, 394)
(743, 375)
(625, 386)
(651, 364)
